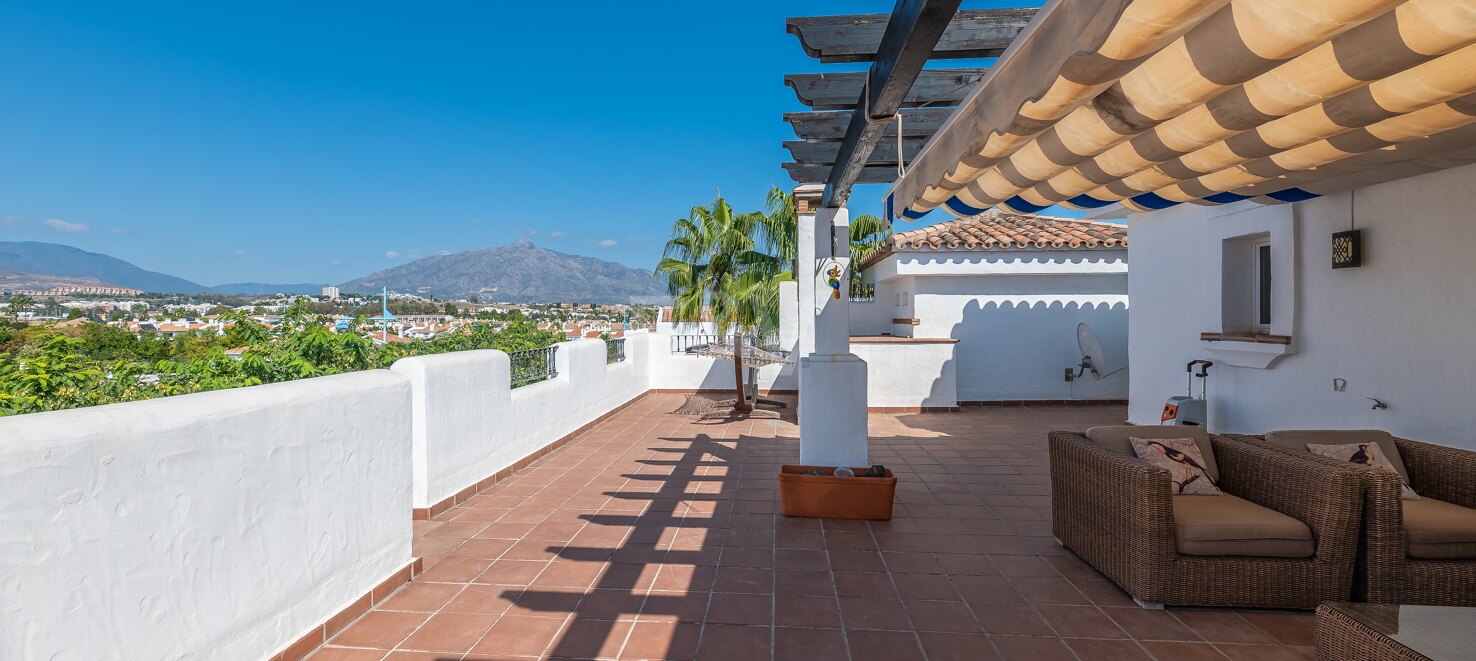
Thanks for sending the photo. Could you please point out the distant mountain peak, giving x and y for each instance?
(519, 272)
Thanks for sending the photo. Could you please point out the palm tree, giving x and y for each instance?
(869, 235)
(707, 263)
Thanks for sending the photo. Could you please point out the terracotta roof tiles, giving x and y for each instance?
(1006, 231)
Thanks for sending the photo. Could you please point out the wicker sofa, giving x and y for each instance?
(1116, 512)
(1417, 551)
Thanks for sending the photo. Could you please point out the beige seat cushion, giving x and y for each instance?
(1118, 440)
(1298, 439)
(1438, 530)
(1227, 525)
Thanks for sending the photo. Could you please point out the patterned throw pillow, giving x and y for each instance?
(1184, 461)
(1368, 454)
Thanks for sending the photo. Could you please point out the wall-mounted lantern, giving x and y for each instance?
(1347, 249)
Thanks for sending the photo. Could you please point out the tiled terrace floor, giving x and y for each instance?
(656, 536)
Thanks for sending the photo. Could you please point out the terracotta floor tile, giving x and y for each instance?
(1107, 650)
(483, 599)
(1265, 652)
(815, 612)
(1024, 648)
(672, 641)
(942, 616)
(511, 572)
(1145, 624)
(1080, 622)
(810, 644)
(610, 605)
(744, 579)
(883, 645)
(455, 570)
(346, 654)
(1223, 627)
(883, 614)
(424, 597)
(449, 632)
(730, 642)
(740, 609)
(1011, 619)
(1286, 627)
(871, 585)
(1164, 651)
(379, 629)
(957, 647)
(515, 635)
(804, 583)
(590, 639)
(935, 587)
(569, 574)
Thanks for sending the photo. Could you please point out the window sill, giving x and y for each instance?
(1247, 350)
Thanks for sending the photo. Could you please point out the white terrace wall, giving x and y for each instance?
(220, 525)
(469, 423)
(1399, 328)
(1014, 314)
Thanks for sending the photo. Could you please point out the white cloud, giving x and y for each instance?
(391, 254)
(238, 252)
(64, 226)
(444, 252)
(558, 234)
(608, 243)
(532, 232)
(336, 262)
(11, 221)
(118, 230)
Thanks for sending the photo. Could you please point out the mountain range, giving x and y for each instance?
(517, 273)
(520, 272)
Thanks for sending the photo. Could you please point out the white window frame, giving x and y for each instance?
(1262, 283)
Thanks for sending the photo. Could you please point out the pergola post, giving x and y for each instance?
(832, 380)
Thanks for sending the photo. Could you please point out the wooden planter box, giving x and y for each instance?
(830, 497)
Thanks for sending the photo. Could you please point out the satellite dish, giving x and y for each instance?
(1093, 359)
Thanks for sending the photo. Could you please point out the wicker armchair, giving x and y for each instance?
(1386, 573)
(1116, 512)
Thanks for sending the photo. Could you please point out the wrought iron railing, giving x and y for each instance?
(533, 365)
(615, 350)
(681, 343)
(863, 293)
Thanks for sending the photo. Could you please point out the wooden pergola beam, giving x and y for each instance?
(809, 173)
(842, 91)
(856, 38)
(911, 35)
(831, 125)
(824, 153)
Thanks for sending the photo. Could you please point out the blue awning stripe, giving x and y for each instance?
(958, 207)
(1152, 201)
(1291, 195)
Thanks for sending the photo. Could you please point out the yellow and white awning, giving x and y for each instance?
(1152, 103)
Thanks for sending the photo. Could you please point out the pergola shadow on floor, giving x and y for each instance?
(658, 536)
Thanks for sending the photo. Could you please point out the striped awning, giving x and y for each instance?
(1153, 103)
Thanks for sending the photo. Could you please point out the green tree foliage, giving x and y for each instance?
(48, 368)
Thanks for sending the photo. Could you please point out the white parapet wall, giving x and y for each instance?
(908, 372)
(461, 410)
(469, 423)
(219, 525)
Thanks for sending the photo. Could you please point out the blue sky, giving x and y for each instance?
(309, 142)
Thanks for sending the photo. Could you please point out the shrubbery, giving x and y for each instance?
(48, 368)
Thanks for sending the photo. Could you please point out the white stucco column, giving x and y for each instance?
(832, 380)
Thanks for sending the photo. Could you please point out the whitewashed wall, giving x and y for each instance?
(220, 525)
(1400, 328)
(669, 371)
(1014, 315)
(461, 409)
(909, 374)
(469, 423)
